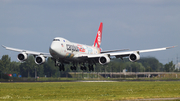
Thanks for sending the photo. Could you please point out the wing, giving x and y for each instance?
(104, 58)
(114, 50)
(28, 52)
(123, 54)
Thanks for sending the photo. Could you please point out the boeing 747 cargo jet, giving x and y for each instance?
(63, 52)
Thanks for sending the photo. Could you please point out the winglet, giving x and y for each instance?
(3, 46)
(171, 47)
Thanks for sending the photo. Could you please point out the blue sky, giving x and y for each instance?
(132, 24)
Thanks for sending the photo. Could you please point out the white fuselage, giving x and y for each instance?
(64, 49)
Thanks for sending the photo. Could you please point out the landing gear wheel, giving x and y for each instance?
(83, 67)
(57, 64)
(61, 67)
(73, 67)
(91, 68)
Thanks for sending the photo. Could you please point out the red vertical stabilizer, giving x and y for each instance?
(98, 39)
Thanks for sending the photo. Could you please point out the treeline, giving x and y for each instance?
(29, 68)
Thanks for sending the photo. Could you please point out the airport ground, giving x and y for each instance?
(92, 91)
(94, 86)
(101, 76)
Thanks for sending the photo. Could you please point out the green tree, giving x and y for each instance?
(5, 64)
(50, 69)
(14, 67)
(169, 67)
(148, 69)
(134, 67)
(151, 62)
(27, 68)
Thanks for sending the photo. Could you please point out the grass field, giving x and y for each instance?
(89, 90)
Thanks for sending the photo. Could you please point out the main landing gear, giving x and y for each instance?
(83, 68)
(74, 68)
(91, 68)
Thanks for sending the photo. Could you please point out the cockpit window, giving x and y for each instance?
(56, 40)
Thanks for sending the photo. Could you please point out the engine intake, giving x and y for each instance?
(22, 56)
(40, 59)
(134, 57)
(104, 60)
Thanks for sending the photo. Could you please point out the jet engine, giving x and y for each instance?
(104, 60)
(134, 57)
(22, 56)
(40, 59)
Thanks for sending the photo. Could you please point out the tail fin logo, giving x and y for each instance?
(98, 39)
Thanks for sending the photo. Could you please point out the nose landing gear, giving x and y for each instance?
(61, 67)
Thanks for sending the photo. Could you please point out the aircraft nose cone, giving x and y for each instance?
(53, 49)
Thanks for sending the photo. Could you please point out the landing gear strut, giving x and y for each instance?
(61, 67)
(91, 68)
(73, 67)
(83, 67)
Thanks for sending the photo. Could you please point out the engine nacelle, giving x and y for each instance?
(40, 59)
(22, 56)
(134, 57)
(104, 60)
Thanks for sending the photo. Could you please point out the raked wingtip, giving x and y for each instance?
(3, 46)
(171, 47)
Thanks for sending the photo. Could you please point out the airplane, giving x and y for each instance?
(63, 52)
